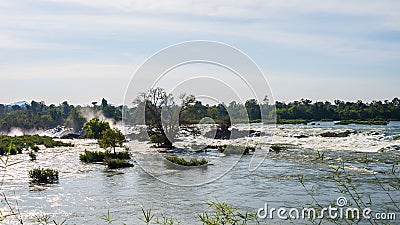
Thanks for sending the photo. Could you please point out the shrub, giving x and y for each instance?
(92, 156)
(32, 155)
(293, 121)
(184, 162)
(23, 142)
(99, 156)
(40, 175)
(120, 155)
(237, 150)
(35, 148)
(112, 163)
(277, 148)
(363, 122)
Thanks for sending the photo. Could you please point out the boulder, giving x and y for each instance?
(339, 134)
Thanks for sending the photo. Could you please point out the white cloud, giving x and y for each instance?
(8, 42)
(127, 25)
(248, 9)
(73, 71)
(278, 22)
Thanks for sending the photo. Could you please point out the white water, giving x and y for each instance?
(87, 191)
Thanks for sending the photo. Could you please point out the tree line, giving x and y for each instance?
(280, 112)
(38, 115)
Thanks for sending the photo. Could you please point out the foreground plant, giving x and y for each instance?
(9, 209)
(222, 213)
(347, 186)
(226, 214)
(45, 220)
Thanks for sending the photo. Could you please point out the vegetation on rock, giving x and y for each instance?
(19, 143)
(41, 175)
(183, 162)
(115, 163)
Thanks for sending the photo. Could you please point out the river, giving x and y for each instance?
(86, 192)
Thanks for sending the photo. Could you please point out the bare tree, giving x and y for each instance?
(161, 115)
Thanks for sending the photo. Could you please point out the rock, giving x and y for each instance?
(255, 134)
(333, 134)
(70, 136)
(277, 148)
(301, 136)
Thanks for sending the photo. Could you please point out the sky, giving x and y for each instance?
(84, 50)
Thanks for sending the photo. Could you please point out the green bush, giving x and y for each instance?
(40, 175)
(32, 155)
(35, 148)
(92, 156)
(120, 155)
(293, 121)
(363, 122)
(238, 150)
(184, 162)
(24, 142)
(99, 156)
(112, 163)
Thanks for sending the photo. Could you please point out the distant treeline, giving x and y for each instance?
(304, 110)
(339, 110)
(38, 115)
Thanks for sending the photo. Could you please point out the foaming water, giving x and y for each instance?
(86, 192)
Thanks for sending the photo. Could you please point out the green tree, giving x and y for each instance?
(253, 109)
(95, 127)
(111, 138)
(75, 120)
(104, 103)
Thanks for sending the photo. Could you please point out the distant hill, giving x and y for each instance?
(19, 103)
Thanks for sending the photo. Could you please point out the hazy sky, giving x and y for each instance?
(83, 50)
